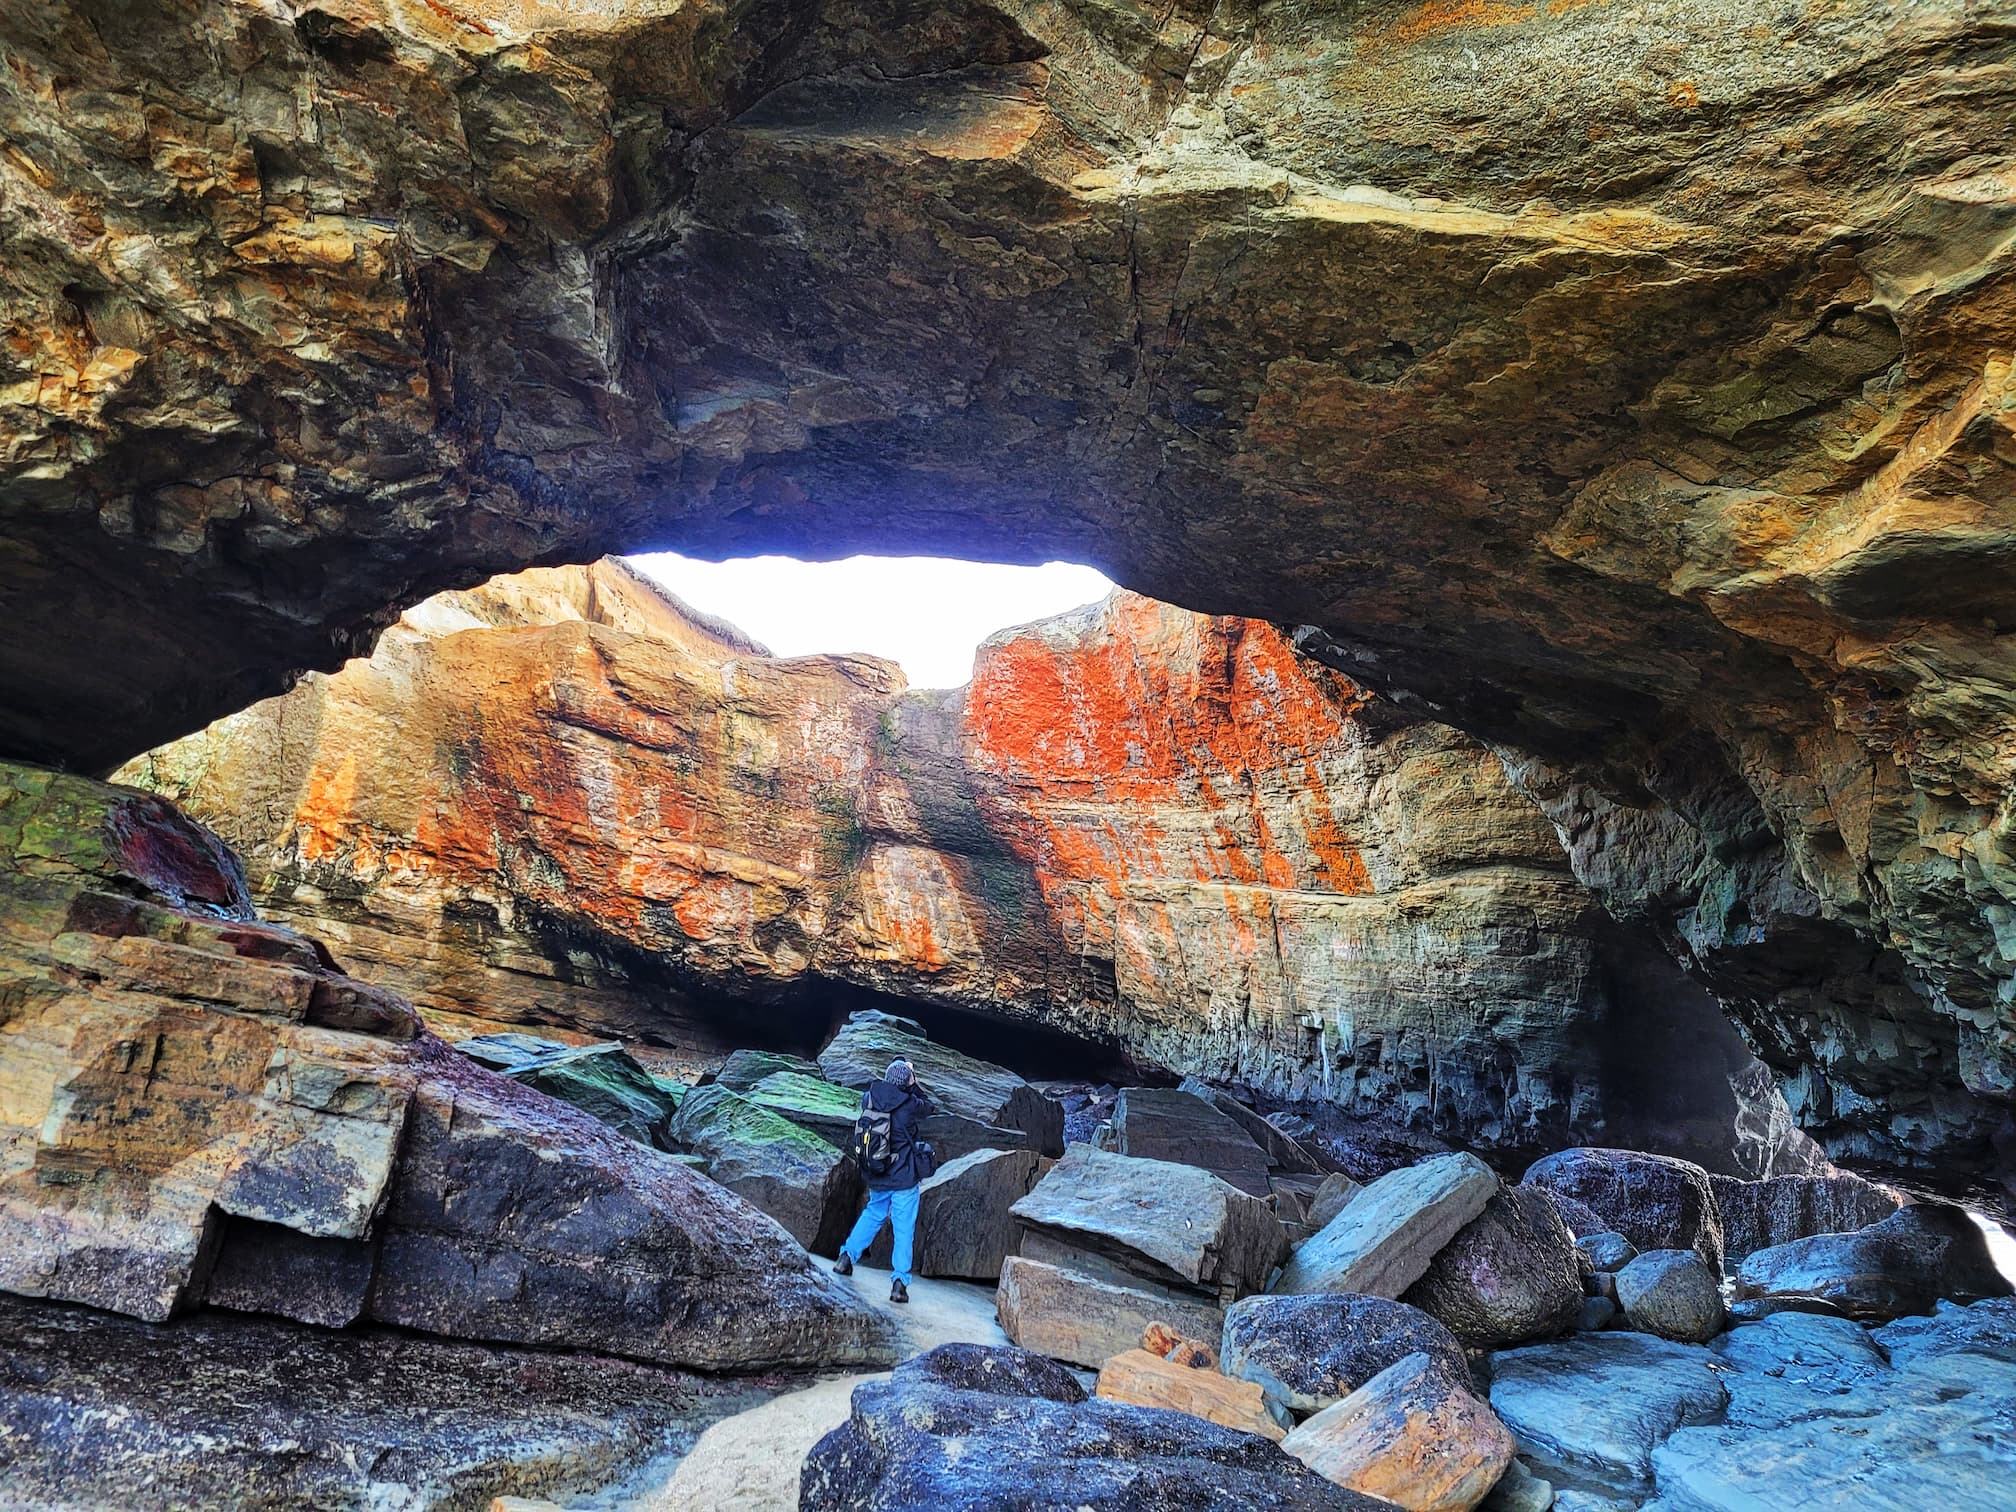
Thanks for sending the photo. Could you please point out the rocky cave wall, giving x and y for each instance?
(564, 799)
(1629, 385)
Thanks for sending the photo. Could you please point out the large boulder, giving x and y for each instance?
(980, 1106)
(811, 1102)
(519, 1219)
(745, 1068)
(992, 1429)
(801, 1180)
(1307, 1352)
(1412, 1435)
(604, 1080)
(1382, 1243)
(965, 1224)
(1655, 1201)
(1905, 1264)
(1173, 1224)
(1595, 1406)
(1161, 1123)
(1673, 1294)
(1759, 1214)
(1510, 1275)
(1069, 1316)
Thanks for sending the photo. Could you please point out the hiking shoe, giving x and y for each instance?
(898, 1292)
(843, 1266)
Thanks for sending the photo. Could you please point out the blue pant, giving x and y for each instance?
(883, 1205)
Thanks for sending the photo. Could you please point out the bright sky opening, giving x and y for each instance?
(927, 614)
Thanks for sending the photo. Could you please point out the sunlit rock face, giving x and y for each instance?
(1629, 384)
(562, 799)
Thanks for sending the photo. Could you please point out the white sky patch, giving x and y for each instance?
(925, 613)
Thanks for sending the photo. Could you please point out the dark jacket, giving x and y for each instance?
(906, 1107)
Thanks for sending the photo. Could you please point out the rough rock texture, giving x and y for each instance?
(1413, 1436)
(1382, 1243)
(1509, 1275)
(1652, 1200)
(1758, 1214)
(1084, 1320)
(190, 1092)
(1656, 422)
(1144, 1379)
(792, 1174)
(1308, 1352)
(987, 1429)
(562, 797)
(1597, 1405)
(1161, 1123)
(1905, 1264)
(605, 1080)
(1167, 1223)
(1672, 1293)
(214, 1411)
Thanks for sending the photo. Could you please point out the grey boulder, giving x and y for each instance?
(1162, 1123)
(1308, 1351)
(1905, 1264)
(1655, 1201)
(1759, 1214)
(1509, 1276)
(1673, 1294)
(1383, 1242)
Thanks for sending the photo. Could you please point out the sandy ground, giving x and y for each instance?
(749, 1463)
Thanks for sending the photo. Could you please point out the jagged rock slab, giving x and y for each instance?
(811, 1102)
(1759, 1214)
(214, 1410)
(980, 1106)
(1792, 1367)
(1904, 1264)
(744, 1069)
(1161, 1123)
(1168, 1223)
(1140, 1379)
(1383, 1242)
(1509, 1276)
(1655, 1201)
(965, 1226)
(1308, 1352)
(1077, 1318)
(1986, 1328)
(519, 1219)
(1597, 1405)
(602, 1080)
(798, 1178)
(1413, 1435)
(987, 1429)
(1285, 1154)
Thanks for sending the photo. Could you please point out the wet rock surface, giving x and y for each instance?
(1904, 1264)
(1759, 1214)
(932, 1436)
(214, 1410)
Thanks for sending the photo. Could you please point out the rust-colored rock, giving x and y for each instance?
(565, 798)
(1633, 394)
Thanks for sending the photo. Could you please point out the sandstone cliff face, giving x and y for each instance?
(198, 1106)
(1628, 384)
(1156, 830)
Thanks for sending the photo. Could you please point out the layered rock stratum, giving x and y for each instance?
(564, 799)
(1628, 385)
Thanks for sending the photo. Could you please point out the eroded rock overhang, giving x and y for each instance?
(1628, 386)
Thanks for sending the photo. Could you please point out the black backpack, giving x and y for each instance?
(874, 1142)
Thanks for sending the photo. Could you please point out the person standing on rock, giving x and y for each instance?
(893, 1161)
